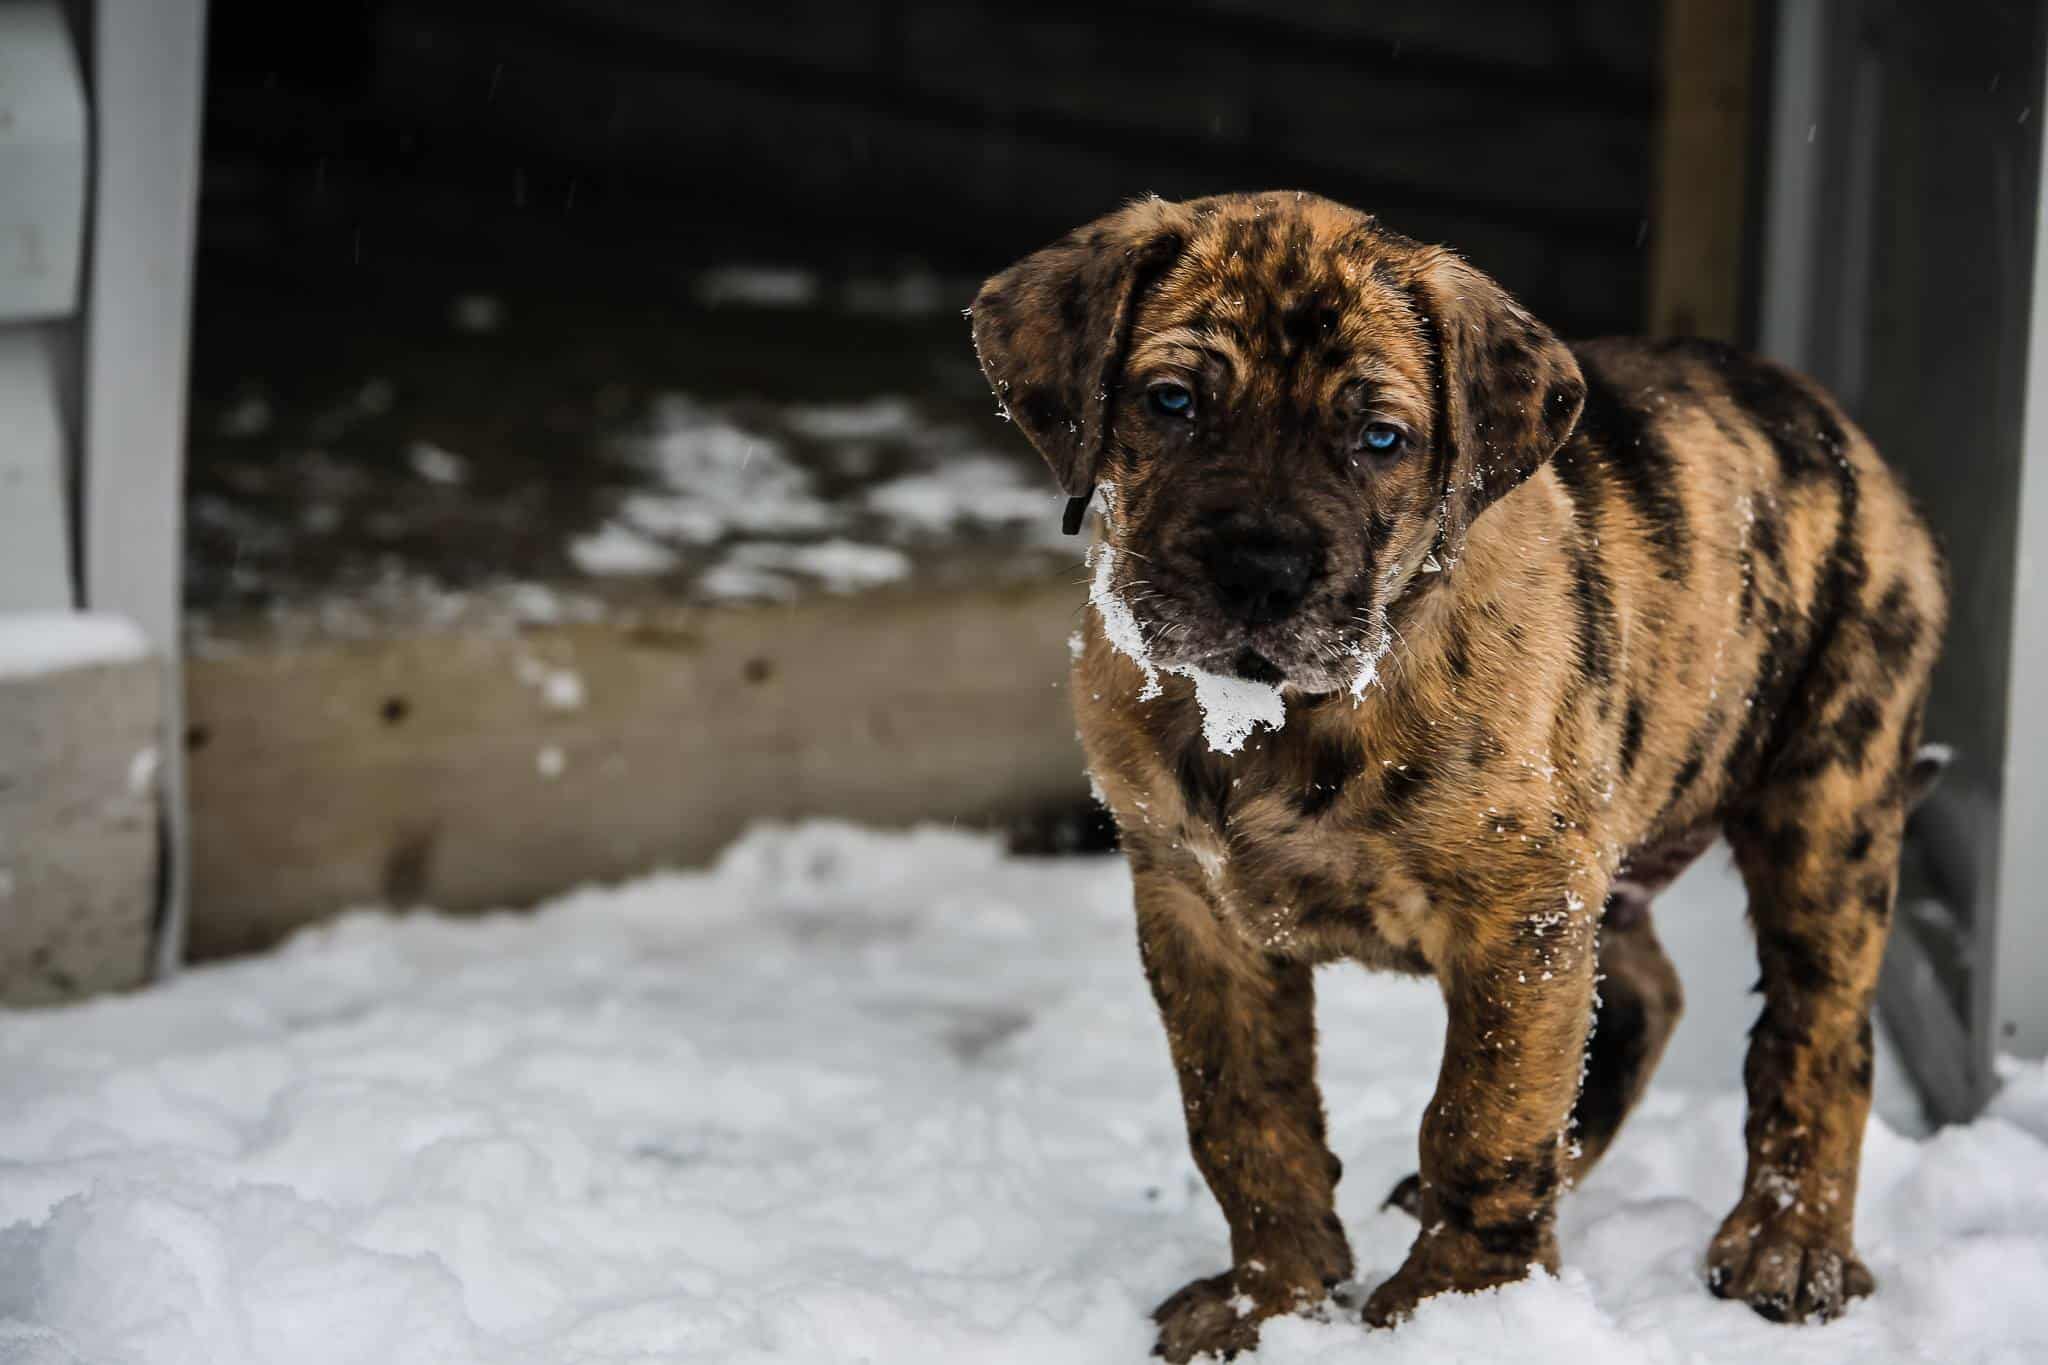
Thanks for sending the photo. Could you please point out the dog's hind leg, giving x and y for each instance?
(1640, 1002)
(1817, 841)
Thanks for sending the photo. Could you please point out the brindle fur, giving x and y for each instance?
(1681, 596)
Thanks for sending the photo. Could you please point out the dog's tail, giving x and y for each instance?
(1926, 770)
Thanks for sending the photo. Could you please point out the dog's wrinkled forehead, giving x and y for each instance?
(1286, 301)
(1271, 302)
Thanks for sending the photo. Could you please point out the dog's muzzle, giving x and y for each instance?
(1259, 575)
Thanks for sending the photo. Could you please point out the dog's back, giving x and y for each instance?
(1784, 599)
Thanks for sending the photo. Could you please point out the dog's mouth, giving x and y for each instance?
(1253, 666)
(1294, 663)
(1170, 617)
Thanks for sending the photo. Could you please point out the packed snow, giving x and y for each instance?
(38, 642)
(972, 488)
(757, 286)
(768, 569)
(616, 549)
(909, 292)
(846, 1096)
(717, 477)
(437, 465)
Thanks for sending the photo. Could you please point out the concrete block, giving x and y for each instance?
(78, 827)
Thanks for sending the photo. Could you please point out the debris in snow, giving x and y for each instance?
(477, 314)
(560, 688)
(915, 292)
(756, 286)
(759, 569)
(620, 550)
(981, 489)
(884, 417)
(715, 477)
(143, 768)
(563, 690)
(250, 416)
(815, 1104)
(375, 397)
(535, 602)
(37, 642)
(436, 465)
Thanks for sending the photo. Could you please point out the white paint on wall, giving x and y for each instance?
(42, 163)
(2018, 946)
(35, 547)
(148, 59)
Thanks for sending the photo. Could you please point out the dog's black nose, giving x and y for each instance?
(1259, 579)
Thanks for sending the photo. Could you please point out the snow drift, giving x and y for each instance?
(845, 1097)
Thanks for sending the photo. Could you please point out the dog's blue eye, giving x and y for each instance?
(1381, 437)
(1171, 400)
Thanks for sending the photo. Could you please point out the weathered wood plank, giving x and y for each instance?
(483, 770)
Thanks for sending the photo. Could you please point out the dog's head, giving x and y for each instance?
(1289, 407)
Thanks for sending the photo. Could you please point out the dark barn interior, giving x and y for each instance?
(612, 142)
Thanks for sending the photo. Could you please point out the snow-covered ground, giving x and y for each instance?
(38, 642)
(846, 1097)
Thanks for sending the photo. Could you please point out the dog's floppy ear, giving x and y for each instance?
(1508, 391)
(1051, 332)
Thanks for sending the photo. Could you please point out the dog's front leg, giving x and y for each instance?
(1519, 990)
(1241, 1025)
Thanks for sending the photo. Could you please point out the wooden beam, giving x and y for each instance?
(1700, 211)
(471, 771)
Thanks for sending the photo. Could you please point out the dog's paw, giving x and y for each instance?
(1443, 1262)
(1206, 1317)
(1393, 1302)
(1783, 1273)
(1406, 1195)
(1220, 1316)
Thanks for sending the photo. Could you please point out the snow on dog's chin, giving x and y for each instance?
(1231, 707)
(1234, 707)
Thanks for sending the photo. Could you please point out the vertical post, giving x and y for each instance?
(2016, 941)
(1696, 268)
(148, 56)
(43, 161)
(1793, 184)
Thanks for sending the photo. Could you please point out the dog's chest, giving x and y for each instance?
(1311, 886)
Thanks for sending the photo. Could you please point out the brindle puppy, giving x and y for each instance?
(1630, 594)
